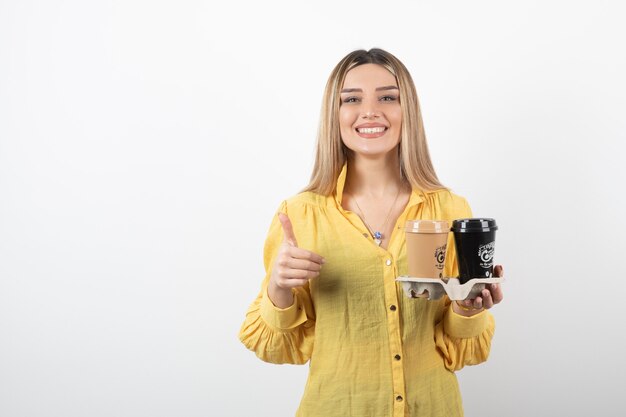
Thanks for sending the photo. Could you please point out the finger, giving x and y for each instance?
(498, 271)
(289, 235)
(299, 253)
(292, 283)
(305, 264)
(478, 303)
(297, 274)
(496, 293)
(487, 300)
(467, 302)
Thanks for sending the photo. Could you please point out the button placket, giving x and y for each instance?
(395, 338)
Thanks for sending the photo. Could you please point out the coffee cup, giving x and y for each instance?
(475, 241)
(426, 242)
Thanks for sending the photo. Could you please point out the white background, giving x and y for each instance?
(145, 146)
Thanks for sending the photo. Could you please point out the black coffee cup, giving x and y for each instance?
(475, 241)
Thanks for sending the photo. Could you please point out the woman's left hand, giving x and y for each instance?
(490, 296)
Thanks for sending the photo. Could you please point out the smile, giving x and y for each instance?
(370, 130)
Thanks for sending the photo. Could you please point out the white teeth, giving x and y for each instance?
(371, 130)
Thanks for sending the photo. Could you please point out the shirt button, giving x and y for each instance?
(397, 357)
(392, 307)
(399, 398)
(388, 263)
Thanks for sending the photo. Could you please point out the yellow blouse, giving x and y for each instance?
(372, 351)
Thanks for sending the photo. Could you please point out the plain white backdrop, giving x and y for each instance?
(145, 146)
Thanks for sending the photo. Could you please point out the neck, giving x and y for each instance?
(374, 177)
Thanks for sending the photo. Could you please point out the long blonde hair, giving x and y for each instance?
(415, 164)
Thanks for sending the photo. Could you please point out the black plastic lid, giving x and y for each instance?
(474, 225)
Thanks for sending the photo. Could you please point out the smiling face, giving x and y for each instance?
(370, 116)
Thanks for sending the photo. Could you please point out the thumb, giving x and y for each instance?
(498, 271)
(289, 235)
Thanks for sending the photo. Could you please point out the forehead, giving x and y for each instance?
(369, 75)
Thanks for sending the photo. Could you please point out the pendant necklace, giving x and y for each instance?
(376, 235)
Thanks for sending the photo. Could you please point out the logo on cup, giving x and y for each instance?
(485, 252)
(440, 256)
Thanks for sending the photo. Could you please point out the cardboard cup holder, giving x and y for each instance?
(435, 288)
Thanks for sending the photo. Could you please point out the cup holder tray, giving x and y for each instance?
(435, 288)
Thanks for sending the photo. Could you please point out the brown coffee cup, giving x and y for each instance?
(426, 242)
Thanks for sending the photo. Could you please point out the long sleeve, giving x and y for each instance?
(462, 340)
(279, 335)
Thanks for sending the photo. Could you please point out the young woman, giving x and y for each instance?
(333, 253)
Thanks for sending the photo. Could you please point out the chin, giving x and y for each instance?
(372, 151)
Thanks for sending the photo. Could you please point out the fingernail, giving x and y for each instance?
(323, 260)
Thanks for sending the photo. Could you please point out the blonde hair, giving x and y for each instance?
(415, 164)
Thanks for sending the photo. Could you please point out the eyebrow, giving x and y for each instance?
(358, 90)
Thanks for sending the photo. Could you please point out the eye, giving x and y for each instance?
(389, 98)
(351, 99)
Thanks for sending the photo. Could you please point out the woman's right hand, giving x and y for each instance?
(292, 268)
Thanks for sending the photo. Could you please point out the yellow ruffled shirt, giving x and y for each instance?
(372, 351)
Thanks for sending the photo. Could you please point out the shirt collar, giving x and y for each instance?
(341, 182)
(417, 196)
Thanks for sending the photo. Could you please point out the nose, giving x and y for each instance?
(370, 109)
(370, 115)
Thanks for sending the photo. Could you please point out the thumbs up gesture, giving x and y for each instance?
(292, 268)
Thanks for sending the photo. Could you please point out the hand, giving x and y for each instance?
(490, 296)
(292, 268)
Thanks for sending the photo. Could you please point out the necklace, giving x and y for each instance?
(377, 236)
